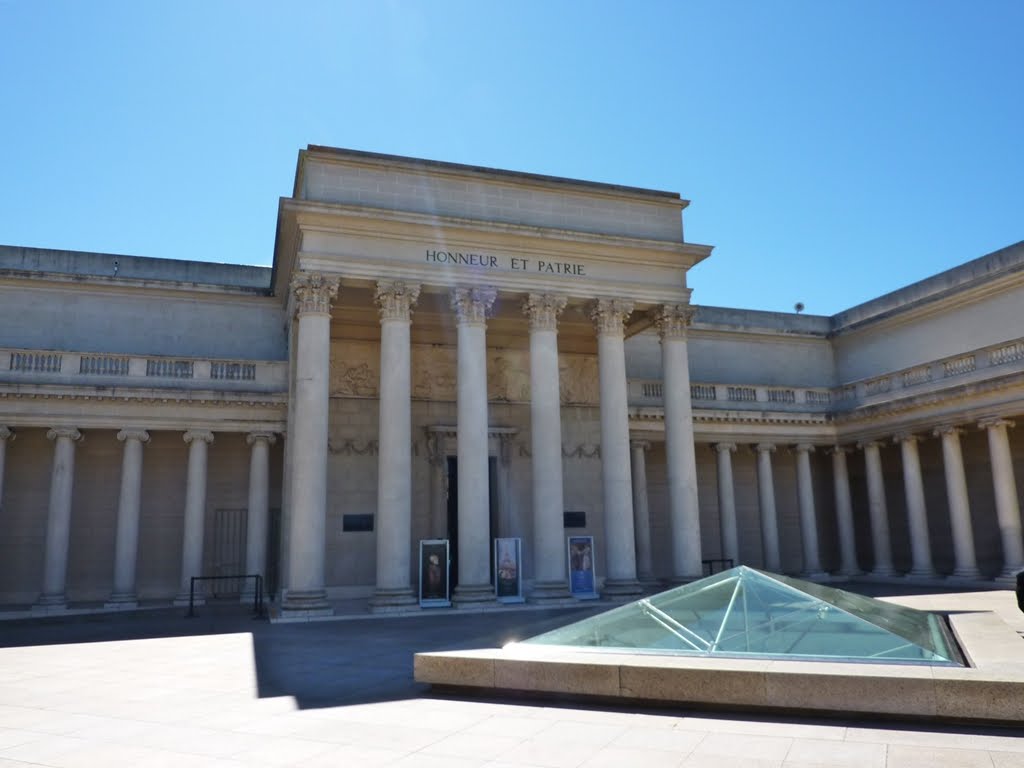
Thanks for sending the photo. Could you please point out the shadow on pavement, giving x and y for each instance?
(320, 664)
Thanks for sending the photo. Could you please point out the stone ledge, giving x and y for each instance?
(992, 690)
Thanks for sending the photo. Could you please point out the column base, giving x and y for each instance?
(922, 573)
(679, 581)
(883, 571)
(549, 592)
(473, 594)
(50, 604)
(305, 604)
(614, 588)
(1008, 576)
(966, 573)
(817, 575)
(122, 601)
(649, 582)
(391, 600)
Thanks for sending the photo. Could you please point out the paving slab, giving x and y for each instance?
(152, 688)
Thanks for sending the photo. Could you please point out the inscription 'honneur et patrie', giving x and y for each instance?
(513, 263)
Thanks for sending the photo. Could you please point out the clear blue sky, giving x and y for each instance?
(832, 151)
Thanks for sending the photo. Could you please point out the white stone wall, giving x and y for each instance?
(479, 195)
(719, 357)
(88, 318)
(950, 328)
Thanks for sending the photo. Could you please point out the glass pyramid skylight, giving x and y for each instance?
(743, 612)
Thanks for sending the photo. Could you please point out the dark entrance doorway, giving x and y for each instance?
(453, 513)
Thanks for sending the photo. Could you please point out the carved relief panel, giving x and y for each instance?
(355, 369)
(578, 380)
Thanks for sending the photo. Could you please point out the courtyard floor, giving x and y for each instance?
(152, 688)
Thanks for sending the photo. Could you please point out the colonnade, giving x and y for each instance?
(962, 531)
(312, 294)
(126, 545)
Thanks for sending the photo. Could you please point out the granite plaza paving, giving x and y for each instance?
(154, 689)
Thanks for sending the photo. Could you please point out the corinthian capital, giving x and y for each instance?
(473, 305)
(395, 299)
(672, 320)
(609, 316)
(313, 292)
(6, 433)
(543, 310)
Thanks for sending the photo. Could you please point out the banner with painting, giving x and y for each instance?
(582, 581)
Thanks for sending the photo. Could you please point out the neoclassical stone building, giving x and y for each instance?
(450, 352)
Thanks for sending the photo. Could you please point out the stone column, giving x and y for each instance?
(878, 510)
(307, 439)
(258, 519)
(472, 307)
(609, 316)
(6, 436)
(917, 513)
(58, 521)
(642, 513)
(195, 514)
(395, 301)
(844, 512)
(1007, 504)
(766, 502)
(959, 507)
(546, 448)
(808, 514)
(126, 544)
(684, 512)
(727, 503)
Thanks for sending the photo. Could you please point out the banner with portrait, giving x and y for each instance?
(434, 590)
(508, 572)
(582, 581)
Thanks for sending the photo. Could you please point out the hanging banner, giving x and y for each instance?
(434, 573)
(582, 582)
(508, 579)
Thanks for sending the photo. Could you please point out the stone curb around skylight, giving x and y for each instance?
(993, 690)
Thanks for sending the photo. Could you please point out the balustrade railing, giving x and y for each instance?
(781, 396)
(103, 365)
(38, 362)
(959, 366)
(49, 366)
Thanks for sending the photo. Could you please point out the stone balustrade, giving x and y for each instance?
(983, 363)
(737, 397)
(22, 366)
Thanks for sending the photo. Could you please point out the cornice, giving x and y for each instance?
(195, 397)
(657, 414)
(497, 177)
(345, 219)
(942, 301)
(99, 285)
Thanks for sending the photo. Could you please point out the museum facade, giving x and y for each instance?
(456, 354)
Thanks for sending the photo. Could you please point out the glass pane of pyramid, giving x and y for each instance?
(746, 612)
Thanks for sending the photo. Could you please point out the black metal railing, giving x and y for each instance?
(257, 596)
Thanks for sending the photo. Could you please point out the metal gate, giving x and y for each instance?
(228, 551)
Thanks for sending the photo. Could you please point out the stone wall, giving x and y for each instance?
(87, 318)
